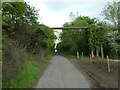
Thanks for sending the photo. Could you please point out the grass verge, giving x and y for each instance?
(30, 71)
(26, 75)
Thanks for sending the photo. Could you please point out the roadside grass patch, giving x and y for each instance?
(47, 57)
(25, 77)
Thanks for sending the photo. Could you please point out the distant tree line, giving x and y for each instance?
(100, 39)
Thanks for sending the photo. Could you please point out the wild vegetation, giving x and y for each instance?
(27, 44)
(100, 39)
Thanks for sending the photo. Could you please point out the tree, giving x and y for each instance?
(20, 23)
(119, 17)
(98, 37)
(12, 14)
(110, 12)
(76, 40)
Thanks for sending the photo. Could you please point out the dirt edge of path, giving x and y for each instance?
(43, 67)
(91, 80)
(96, 81)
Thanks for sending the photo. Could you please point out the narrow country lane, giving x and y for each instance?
(62, 74)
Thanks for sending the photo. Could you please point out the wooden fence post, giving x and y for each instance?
(77, 55)
(108, 63)
(90, 59)
(82, 55)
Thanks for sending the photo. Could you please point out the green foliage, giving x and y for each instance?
(49, 35)
(27, 67)
(26, 75)
(13, 12)
(15, 17)
(76, 40)
(21, 27)
(110, 12)
(98, 33)
(68, 54)
(49, 54)
(20, 24)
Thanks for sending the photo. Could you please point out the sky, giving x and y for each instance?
(54, 13)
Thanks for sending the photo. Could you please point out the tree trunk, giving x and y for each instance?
(97, 52)
(92, 53)
(102, 54)
(77, 55)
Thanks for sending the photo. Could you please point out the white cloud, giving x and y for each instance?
(54, 18)
(49, 18)
(79, 0)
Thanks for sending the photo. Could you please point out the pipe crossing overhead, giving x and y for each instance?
(66, 28)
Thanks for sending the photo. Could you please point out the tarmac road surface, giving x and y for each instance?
(62, 74)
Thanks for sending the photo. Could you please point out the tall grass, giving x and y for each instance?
(48, 56)
(25, 77)
(28, 67)
(29, 71)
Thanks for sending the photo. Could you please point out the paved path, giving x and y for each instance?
(62, 74)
